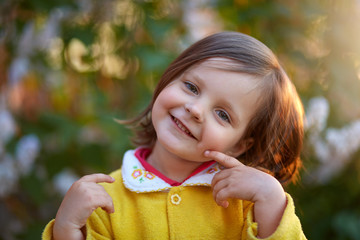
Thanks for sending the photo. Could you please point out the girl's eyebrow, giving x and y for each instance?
(191, 75)
(194, 78)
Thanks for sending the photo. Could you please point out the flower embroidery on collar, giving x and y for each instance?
(137, 179)
(140, 174)
(136, 173)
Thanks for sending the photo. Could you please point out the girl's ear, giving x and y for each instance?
(241, 147)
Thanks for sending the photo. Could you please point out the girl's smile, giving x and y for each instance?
(182, 127)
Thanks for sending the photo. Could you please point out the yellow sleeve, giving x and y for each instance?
(47, 233)
(289, 227)
(97, 227)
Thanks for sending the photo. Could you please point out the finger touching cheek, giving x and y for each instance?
(223, 159)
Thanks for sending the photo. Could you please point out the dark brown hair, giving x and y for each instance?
(277, 125)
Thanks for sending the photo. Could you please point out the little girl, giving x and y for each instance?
(223, 131)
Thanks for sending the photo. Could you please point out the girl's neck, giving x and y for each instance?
(170, 165)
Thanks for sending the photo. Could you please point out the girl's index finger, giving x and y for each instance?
(223, 159)
(98, 178)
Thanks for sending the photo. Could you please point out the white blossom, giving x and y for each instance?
(353, 133)
(201, 19)
(27, 41)
(340, 145)
(7, 126)
(18, 69)
(8, 175)
(335, 149)
(322, 150)
(27, 150)
(32, 40)
(51, 29)
(344, 141)
(63, 181)
(317, 114)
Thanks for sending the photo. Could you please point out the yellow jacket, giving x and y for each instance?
(148, 208)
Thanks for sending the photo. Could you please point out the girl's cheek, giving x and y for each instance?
(222, 141)
(168, 96)
(216, 143)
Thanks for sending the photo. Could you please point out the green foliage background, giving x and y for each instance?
(104, 61)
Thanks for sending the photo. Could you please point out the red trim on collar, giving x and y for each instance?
(142, 153)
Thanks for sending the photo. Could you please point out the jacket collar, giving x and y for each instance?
(137, 179)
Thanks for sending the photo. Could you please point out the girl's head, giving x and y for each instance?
(273, 135)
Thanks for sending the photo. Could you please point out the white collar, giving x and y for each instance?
(137, 179)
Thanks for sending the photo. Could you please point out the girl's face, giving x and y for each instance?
(206, 108)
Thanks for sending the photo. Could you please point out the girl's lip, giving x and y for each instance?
(182, 127)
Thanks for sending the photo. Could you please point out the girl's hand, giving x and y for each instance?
(247, 183)
(84, 196)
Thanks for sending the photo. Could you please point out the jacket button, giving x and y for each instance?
(175, 199)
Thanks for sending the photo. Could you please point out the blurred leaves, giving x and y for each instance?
(347, 225)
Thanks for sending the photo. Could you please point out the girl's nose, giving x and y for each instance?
(195, 111)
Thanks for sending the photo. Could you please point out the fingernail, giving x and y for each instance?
(206, 153)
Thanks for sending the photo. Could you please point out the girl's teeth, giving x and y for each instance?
(182, 127)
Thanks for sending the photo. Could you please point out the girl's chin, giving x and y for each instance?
(183, 151)
(191, 157)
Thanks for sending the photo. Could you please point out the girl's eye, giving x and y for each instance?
(191, 87)
(223, 115)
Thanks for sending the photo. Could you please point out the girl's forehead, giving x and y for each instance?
(223, 65)
(216, 63)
